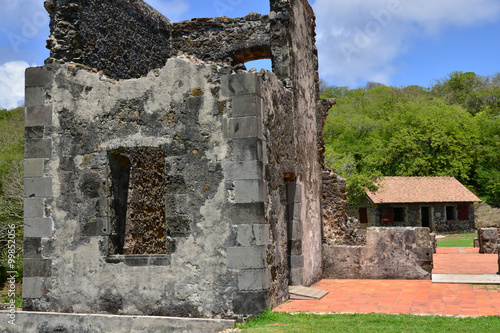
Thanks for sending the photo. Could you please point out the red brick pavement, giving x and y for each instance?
(408, 296)
(400, 296)
(464, 260)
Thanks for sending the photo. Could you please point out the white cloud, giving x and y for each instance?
(12, 83)
(359, 40)
(170, 9)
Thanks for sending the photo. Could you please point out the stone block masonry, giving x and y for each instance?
(84, 33)
(38, 186)
(246, 188)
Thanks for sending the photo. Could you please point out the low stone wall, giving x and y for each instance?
(450, 226)
(390, 253)
(488, 239)
(71, 322)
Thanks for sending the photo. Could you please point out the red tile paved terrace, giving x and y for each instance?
(412, 296)
(464, 260)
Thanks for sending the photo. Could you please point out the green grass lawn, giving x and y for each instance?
(458, 240)
(307, 323)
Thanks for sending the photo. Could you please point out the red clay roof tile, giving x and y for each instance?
(421, 189)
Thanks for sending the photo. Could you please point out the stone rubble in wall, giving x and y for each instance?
(339, 229)
(488, 239)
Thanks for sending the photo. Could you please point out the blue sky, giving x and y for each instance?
(396, 42)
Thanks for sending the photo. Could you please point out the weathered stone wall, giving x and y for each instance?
(128, 38)
(281, 160)
(163, 185)
(122, 38)
(390, 253)
(85, 118)
(440, 224)
(137, 215)
(339, 227)
(334, 200)
(233, 236)
(226, 39)
(100, 323)
(488, 239)
(413, 218)
(305, 88)
(28, 322)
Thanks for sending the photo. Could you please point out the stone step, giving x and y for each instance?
(466, 278)
(25, 321)
(301, 292)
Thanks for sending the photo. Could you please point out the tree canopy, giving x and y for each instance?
(450, 129)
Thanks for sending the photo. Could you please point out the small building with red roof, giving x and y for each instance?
(440, 203)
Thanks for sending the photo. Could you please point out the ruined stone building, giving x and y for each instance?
(162, 178)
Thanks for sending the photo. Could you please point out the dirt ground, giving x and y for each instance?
(486, 216)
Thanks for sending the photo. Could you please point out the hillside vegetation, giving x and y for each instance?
(450, 129)
(11, 190)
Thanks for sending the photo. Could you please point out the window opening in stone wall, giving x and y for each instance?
(260, 64)
(387, 215)
(450, 213)
(399, 214)
(392, 214)
(138, 201)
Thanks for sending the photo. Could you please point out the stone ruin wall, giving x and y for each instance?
(390, 253)
(241, 188)
(488, 240)
(121, 38)
(79, 266)
(374, 253)
(338, 227)
(82, 32)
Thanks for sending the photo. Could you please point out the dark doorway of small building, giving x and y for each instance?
(363, 215)
(425, 216)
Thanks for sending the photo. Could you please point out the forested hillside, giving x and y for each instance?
(450, 129)
(11, 189)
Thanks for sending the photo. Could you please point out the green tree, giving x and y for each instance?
(387, 131)
(426, 137)
(473, 92)
(487, 172)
